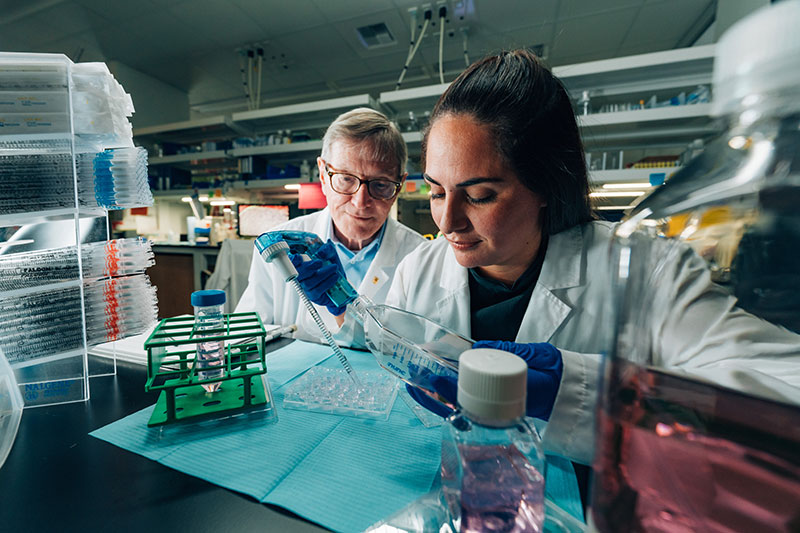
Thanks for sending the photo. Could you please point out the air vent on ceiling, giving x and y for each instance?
(375, 35)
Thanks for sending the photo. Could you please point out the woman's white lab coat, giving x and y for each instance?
(277, 302)
(697, 326)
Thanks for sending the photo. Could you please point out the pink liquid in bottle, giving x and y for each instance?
(500, 490)
(679, 455)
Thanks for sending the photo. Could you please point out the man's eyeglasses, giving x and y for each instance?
(344, 183)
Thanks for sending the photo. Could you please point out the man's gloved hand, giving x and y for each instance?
(318, 275)
(545, 368)
(544, 373)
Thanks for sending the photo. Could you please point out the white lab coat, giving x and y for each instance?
(570, 308)
(277, 302)
(231, 271)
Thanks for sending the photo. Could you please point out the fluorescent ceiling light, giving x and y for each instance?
(613, 207)
(292, 187)
(614, 194)
(222, 202)
(633, 185)
(188, 199)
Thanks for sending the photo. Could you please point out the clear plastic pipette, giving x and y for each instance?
(278, 252)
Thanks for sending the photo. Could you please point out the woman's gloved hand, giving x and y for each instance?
(318, 275)
(545, 368)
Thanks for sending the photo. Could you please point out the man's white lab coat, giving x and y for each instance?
(277, 302)
(571, 308)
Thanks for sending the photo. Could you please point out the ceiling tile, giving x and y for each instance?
(515, 15)
(581, 8)
(224, 23)
(281, 17)
(345, 9)
(171, 36)
(16, 38)
(117, 10)
(122, 45)
(599, 34)
(57, 22)
(665, 21)
(317, 45)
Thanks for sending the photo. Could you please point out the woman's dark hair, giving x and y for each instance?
(532, 120)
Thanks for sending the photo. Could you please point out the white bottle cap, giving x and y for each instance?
(491, 385)
(758, 54)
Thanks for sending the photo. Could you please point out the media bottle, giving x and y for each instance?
(492, 459)
(209, 322)
(714, 446)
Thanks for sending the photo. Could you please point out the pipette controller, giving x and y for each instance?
(276, 252)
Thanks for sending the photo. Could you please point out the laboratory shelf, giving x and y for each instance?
(260, 184)
(293, 149)
(623, 82)
(188, 131)
(640, 73)
(296, 117)
(628, 175)
(663, 126)
(416, 99)
(189, 157)
(636, 116)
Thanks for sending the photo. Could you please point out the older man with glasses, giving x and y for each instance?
(362, 168)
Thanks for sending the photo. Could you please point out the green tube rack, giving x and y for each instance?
(171, 368)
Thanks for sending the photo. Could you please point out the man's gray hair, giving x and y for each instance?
(379, 137)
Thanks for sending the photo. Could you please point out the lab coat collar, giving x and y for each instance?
(561, 270)
(563, 260)
(383, 264)
(454, 308)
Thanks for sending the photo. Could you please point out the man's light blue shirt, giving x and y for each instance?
(356, 263)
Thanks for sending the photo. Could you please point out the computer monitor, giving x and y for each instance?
(256, 219)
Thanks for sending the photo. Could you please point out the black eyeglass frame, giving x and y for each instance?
(331, 172)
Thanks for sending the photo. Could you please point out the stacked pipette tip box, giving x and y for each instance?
(40, 320)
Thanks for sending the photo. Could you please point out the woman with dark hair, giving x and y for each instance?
(510, 194)
(521, 258)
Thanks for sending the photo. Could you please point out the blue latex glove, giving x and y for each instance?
(319, 274)
(544, 373)
(545, 368)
